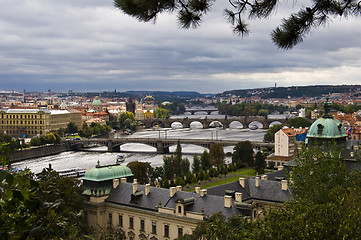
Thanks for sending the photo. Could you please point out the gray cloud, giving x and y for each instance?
(90, 45)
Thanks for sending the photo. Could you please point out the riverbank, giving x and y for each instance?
(36, 152)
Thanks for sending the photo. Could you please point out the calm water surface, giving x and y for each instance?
(87, 160)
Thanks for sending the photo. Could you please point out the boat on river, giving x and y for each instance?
(76, 172)
(120, 158)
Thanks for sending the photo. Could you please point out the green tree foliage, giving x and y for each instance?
(93, 130)
(71, 128)
(218, 227)
(259, 163)
(326, 205)
(206, 160)
(50, 138)
(196, 165)
(243, 154)
(127, 121)
(263, 112)
(42, 207)
(270, 134)
(142, 171)
(5, 150)
(249, 109)
(113, 121)
(168, 167)
(162, 113)
(291, 31)
(299, 122)
(175, 108)
(217, 154)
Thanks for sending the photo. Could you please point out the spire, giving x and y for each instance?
(327, 106)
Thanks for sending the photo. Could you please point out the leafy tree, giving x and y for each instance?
(299, 122)
(46, 206)
(168, 167)
(243, 154)
(142, 171)
(270, 134)
(206, 160)
(263, 112)
(260, 163)
(184, 166)
(217, 154)
(271, 164)
(4, 154)
(196, 166)
(326, 205)
(291, 32)
(162, 113)
(71, 128)
(127, 121)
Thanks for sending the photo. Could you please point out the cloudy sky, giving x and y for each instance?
(88, 45)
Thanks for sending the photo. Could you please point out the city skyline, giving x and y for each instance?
(90, 46)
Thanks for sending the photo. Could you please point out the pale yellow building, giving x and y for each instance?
(36, 122)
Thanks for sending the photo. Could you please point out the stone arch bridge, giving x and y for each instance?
(162, 145)
(245, 121)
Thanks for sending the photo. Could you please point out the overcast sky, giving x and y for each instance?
(89, 45)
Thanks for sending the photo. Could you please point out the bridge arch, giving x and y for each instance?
(275, 123)
(255, 123)
(176, 125)
(196, 125)
(216, 124)
(236, 124)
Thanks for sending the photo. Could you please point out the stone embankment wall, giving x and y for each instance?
(38, 152)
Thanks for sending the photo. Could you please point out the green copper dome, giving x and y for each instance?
(108, 172)
(327, 127)
(97, 102)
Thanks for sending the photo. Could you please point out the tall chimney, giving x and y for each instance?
(238, 197)
(257, 181)
(197, 189)
(227, 201)
(203, 192)
(242, 182)
(147, 189)
(172, 191)
(264, 177)
(115, 182)
(123, 180)
(280, 168)
(135, 186)
(179, 188)
(284, 185)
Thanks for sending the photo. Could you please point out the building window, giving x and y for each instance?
(120, 220)
(154, 227)
(180, 232)
(166, 230)
(142, 228)
(110, 219)
(131, 222)
(179, 209)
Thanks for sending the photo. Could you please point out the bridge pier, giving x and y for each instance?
(112, 148)
(162, 149)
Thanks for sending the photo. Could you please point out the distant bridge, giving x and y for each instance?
(207, 110)
(162, 145)
(206, 122)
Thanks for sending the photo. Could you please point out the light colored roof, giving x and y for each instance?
(25, 110)
(58, 112)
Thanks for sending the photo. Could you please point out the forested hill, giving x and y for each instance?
(295, 91)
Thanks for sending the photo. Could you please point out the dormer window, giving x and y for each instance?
(319, 129)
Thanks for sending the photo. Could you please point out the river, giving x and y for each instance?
(87, 160)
